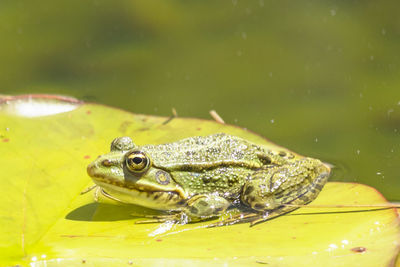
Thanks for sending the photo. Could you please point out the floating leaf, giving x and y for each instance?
(47, 142)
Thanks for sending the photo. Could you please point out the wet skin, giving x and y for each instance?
(200, 177)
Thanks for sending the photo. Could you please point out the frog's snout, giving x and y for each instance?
(91, 169)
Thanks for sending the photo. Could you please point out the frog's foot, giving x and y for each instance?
(178, 217)
(239, 218)
(252, 218)
(97, 191)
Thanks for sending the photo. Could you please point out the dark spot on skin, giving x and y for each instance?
(219, 209)
(265, 159)
(181, 202)
(282, 153)
(304, 198)
(156, 196)
(203, 203)
(170, 196)
(313, 191)
(88, 112)
(86, 157)
(158, 240)
(359, 249)
(318, 187)
(258, 206)
(5, 140)
(249, 189)
(106, 163)
(194, 210)
(198, 129)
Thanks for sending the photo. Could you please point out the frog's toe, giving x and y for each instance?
(259, 219)
(179, 217)
(239, 218)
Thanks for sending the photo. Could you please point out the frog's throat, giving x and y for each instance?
(147, 196)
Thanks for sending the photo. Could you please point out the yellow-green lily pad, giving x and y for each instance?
(46, 142)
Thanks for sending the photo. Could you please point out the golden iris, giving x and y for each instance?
(137, 161)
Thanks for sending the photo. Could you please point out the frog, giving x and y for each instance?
(199, 178)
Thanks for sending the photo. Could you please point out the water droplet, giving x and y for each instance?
(244, 35)
(333, 246)
(333, 12)
(272, 120)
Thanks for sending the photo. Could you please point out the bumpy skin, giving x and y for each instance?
(200, 177)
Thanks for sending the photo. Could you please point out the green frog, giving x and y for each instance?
(199, 178)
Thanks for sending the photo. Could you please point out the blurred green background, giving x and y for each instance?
(319, 77)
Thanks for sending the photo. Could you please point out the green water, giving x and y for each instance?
(319, 77)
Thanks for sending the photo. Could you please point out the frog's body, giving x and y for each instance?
(200, 177)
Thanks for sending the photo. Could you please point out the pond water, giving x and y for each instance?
(319, 77)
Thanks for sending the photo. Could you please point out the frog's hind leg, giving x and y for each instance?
(274, 196)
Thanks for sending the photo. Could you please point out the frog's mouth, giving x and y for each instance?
(140, 195)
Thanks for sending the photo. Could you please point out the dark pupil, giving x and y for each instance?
(137, 160)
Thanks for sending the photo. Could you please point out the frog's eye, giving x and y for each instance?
(137, 161)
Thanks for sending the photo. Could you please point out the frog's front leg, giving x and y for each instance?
(197, 208)
(202, 207)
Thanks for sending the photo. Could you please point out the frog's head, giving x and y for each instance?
(127, 174)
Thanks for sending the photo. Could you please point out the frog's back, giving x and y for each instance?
(202, 152)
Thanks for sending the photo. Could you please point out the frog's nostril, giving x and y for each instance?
(107, 163)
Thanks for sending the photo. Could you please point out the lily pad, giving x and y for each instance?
(47, 142)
